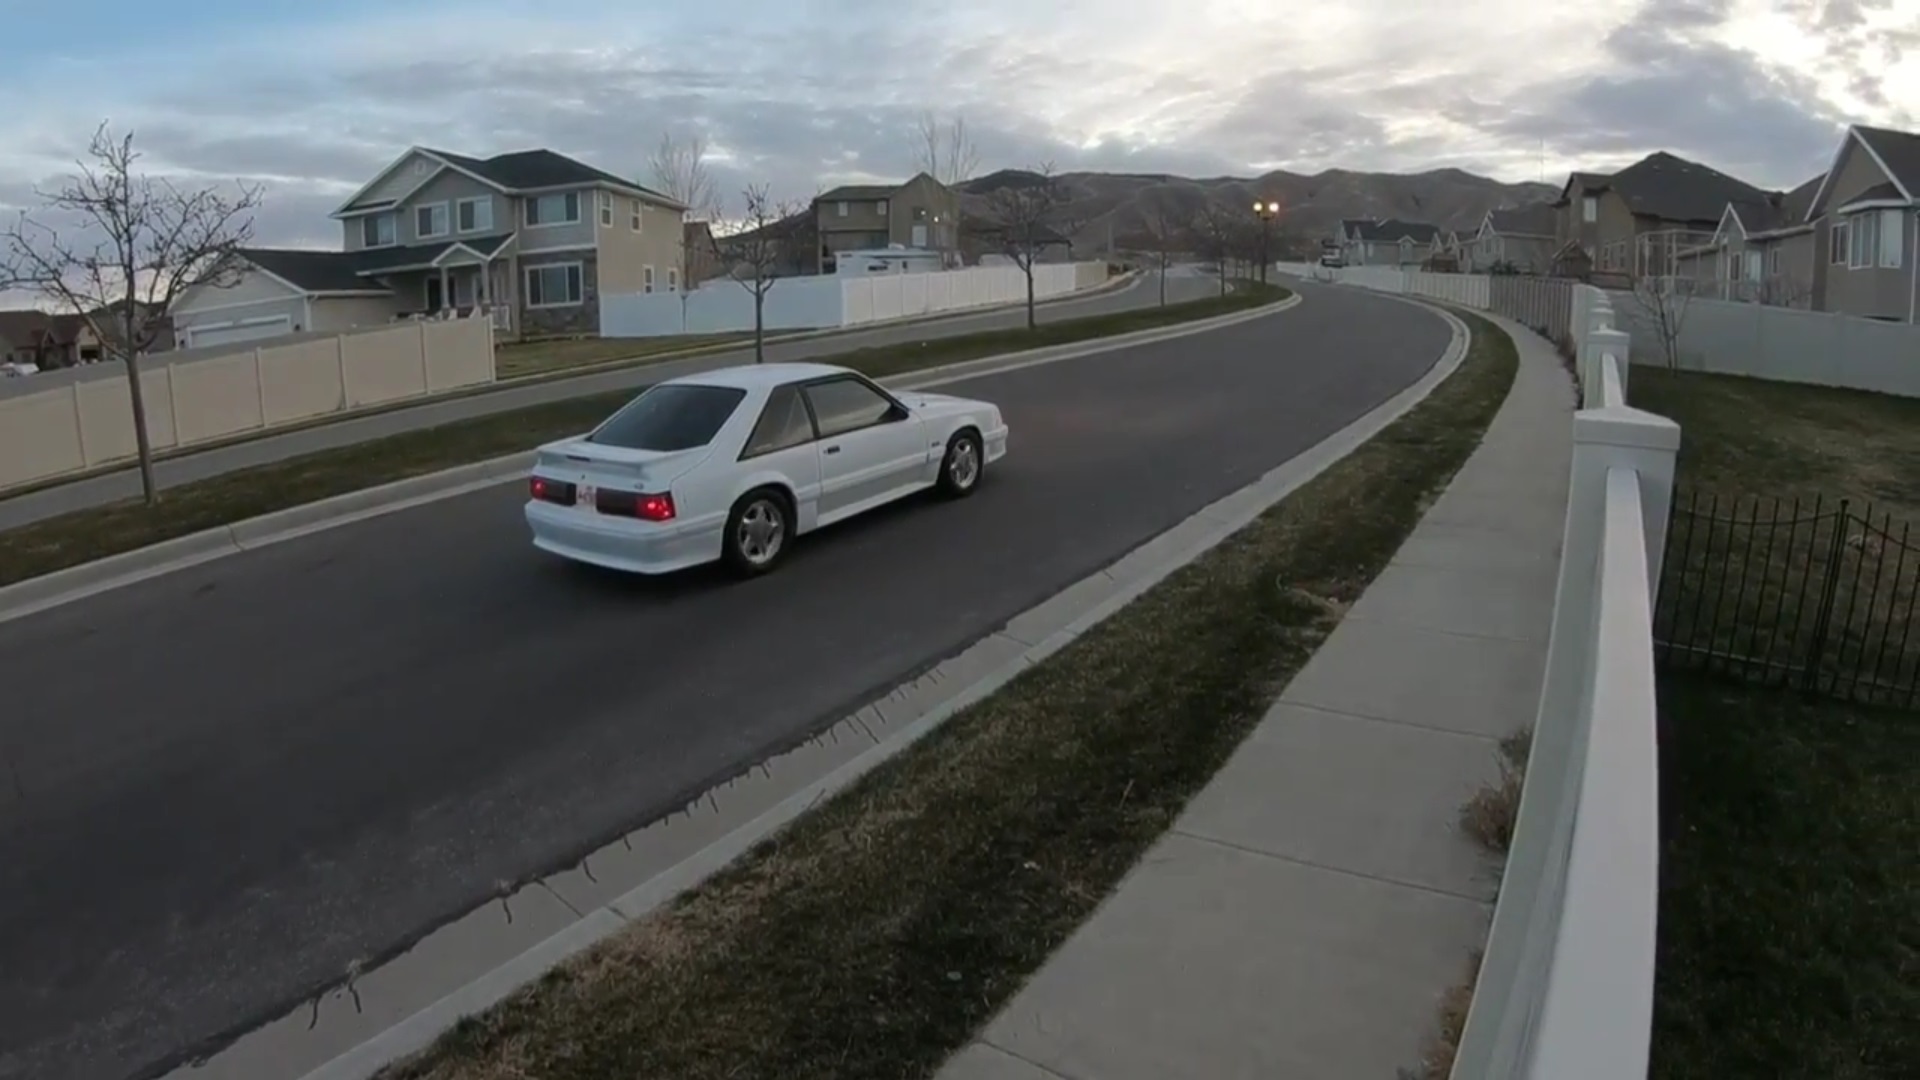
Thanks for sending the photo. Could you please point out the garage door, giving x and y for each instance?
(200, 337)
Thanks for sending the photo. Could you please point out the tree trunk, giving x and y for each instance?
(759, 326)
(1031, 323)
(141, 440)
(137, 397)
(1163, 280)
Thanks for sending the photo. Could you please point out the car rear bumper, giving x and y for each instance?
(637, 547)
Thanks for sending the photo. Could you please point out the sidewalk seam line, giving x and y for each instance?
(1342, 871)
(1022, 1058)
(1351, 714)
(1450, 633)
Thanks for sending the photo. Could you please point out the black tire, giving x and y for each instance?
(747, 547)
(964, 465)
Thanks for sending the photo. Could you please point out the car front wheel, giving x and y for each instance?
(961, 469)
(758, 532)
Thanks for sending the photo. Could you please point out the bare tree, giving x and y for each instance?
(1165, 229)
(117, 247)
(760, 251)
(1663, 303)
(679, 170)
(945, 151)
(1216, 232)
(1029, 217)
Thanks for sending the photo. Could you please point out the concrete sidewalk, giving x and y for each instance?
(1304, 915)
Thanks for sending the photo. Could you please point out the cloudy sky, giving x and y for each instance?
(314, 98)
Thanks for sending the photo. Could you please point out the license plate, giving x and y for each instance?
(583, 495)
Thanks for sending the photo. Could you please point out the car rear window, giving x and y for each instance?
(672, 417)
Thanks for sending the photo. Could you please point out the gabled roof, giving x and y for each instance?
(1776, 213)
(32, 327)
(1533, 219)
(859, 193)
(1588, 181)
(1393, 231)
(1897, 153)
(310, 271)
(1671, 188)
(515, 173)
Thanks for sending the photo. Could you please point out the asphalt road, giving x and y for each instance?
(221, 786)
(1182, 284)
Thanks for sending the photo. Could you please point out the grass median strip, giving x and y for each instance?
(72, 539)
(875, 934)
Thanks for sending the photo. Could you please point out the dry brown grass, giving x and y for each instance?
(1490, 815)
(1436, 1063)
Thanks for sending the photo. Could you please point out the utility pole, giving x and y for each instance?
(1266, 212)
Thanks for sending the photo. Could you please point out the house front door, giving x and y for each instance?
(919, 236)
(435, 301)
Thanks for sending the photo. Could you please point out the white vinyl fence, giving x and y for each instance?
(824, 301)
(1721, 336)
(1732, 338)
(1565, 989)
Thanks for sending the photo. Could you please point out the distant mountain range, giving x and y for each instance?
(1120, 204)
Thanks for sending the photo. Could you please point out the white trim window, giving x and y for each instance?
(673, 279)
(1863, 245)
(606, 209)
(840, 208)
(1773, 260)
(1837, 240)
(474, 215)
(634, 219)
(1590, 209)
(646, 279)
(1892, 238)
(430, 221)
(558, 208)
(377, 230)
(883, 208)
(552, 285)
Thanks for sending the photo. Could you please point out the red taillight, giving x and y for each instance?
(537, 488)
(654, 507)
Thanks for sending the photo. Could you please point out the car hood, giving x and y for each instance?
(937, 404)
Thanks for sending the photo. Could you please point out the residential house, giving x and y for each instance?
(1636, 222)
(1389, 242)
(989, 238)
(47, 340)
(1519, 240)
(921, 213)
(1866, 220)
(702, 253)
(1762, 251)
(532, 236)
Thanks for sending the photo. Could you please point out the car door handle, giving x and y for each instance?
(833, 449)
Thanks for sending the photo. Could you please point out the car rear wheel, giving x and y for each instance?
(759, 530)
(961, 469)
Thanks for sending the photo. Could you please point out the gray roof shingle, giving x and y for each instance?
(1900, 150)
(1533, 219)
(525, 170)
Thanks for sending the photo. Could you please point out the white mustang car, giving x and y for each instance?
(733, 464)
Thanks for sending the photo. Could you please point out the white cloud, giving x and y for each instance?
(802, 95)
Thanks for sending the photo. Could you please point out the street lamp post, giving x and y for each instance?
(1266, 212)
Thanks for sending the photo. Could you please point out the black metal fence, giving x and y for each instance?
(1814, 594)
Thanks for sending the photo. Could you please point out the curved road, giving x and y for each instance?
(223, 785)
(1183, 283)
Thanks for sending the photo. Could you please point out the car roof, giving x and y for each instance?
(759, 376)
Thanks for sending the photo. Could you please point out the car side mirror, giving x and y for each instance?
(897, 413)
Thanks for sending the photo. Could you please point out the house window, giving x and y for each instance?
(1837, 244)
(1863, 245)
(1590, 209)
(474, 215)
(557, 285)
(646, 279)
(377, 231)
(430, 221)
(883, 208)
(840, 208)
(633, 216)
(559, 209)
(1773, 261)
(673, 279)
(1890, 238)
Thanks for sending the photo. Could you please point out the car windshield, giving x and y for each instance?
(670, 417)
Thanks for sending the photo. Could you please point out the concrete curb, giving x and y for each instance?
(1120, 585)
(115, 571)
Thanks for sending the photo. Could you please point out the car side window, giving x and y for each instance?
(843, 405)
(784, 424)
